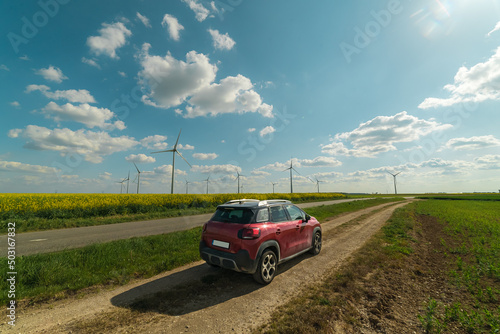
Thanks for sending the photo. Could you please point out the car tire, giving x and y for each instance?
(316, 244)
(266, 270)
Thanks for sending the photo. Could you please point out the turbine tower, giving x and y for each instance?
(207, 180)
(238, 177)
(318, 182)
(394, 176)
(187, 182)
(291, 176)
(274, 183)
(128, 180)
(138, 176)
(121, 185)
(174, 150)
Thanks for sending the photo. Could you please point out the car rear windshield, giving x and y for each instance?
(233, 215)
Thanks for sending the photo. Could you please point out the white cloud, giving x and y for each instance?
(216, 169)
(380, 134)
(251, 130)
(167, 169)
(488, 161)
(231, 95)
(72, 95)
(144, 20)
(52, 74)
(266, 131)
(303, 163)
(4, 68)
(205, 156)
(93, 146)
(472, 143)
(156, 142)
(15, 104)
(319, 162)
(14, 166)
(221, 41)
(477, 84)
(112, 37)
(91, 62)
(84, 113)
(185, 147)
(497, 27)
(122, 74)
(172, 82)
(173, 26)
(260, 173)
(140, 158)
(200, 11)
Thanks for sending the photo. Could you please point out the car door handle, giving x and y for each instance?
(278, 231)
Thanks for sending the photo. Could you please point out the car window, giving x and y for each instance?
(262, 215)
(278, 214)
(233, 215)
(295, 213)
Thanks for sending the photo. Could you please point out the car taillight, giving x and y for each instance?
(250, 233)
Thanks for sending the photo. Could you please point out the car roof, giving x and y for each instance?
(253, 203)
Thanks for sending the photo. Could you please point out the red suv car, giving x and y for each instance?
(253, 236)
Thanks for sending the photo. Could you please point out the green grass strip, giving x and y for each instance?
(113, 263)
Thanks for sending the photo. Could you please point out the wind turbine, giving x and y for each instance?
(291, 177)
(318, 182)
(207, 180)
(394, 176)
(274, 183)
(174, 150)
(187, 182)
(121, 185)
(138, 176)
(128, 180)
(238, 177)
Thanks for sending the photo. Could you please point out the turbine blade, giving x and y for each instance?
(138, 171)
(183, 158)
(175, 146)
(162, 151)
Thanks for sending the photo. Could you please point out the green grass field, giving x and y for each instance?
(474, 225)
(469, 271)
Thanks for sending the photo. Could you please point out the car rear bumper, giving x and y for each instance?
(240, 261)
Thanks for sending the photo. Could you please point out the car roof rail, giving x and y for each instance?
(264, 202)
(275, 201)
(243, 200)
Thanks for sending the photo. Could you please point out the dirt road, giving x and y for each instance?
(200, 299)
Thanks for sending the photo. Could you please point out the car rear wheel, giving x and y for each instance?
(316, 243)
(266, 269)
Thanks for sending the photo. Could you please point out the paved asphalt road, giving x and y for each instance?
(55, 240)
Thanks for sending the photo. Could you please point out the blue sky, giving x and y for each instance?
(348, 92)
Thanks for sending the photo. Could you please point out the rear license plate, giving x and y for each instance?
(221, 244)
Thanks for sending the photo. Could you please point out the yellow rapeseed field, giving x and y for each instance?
(92, 205)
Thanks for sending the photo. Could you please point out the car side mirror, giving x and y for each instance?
(307, 218)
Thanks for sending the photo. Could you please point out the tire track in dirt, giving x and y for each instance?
(236, 303)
